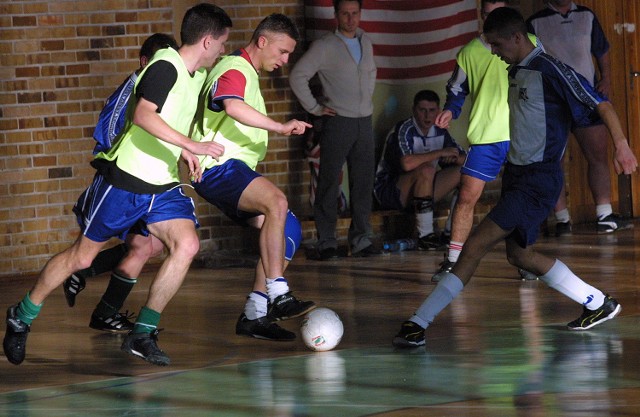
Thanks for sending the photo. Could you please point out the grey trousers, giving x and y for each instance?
(351, 140)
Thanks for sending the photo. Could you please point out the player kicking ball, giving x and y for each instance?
(551, 95)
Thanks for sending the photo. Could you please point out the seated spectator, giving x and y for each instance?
(419, 166)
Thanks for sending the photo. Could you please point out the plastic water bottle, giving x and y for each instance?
(400, 245)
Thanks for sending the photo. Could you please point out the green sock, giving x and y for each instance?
(27, 311)
(147, 321)
(113, 298)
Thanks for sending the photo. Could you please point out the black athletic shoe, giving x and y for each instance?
(527, 275)
(430, 242)
(72, 287)
(589, 318)
(286, 306)
(145, 346)
(327, 254)
(410, 335)
(611, 223)
(116, 323)
(370, 250)
(445, 266)
(15, 338)
(563, 229)
(262, 328)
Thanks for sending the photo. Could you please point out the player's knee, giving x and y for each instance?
(187, 246)
(292, 235)
(426, 171)
(467, 197)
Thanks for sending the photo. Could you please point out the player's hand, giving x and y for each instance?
(294, 127)
(192, 161)
(603, 87)
(624, 160)
(443, 119)
(211, 148)
(328, 111)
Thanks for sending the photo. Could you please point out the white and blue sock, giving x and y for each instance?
(561, 279)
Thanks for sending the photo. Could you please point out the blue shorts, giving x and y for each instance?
(528, 195)
(485, 161)
(104, 211)
(222, 186)
(388, 194)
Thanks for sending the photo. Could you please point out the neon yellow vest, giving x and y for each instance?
(143, 155)
(248, 144)
(488, 88)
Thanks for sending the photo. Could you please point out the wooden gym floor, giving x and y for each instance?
(500, 349)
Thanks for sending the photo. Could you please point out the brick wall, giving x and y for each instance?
(59, 62)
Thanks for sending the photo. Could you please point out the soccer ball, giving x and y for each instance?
(321, 329)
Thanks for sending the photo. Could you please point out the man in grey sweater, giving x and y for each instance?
(344, 63)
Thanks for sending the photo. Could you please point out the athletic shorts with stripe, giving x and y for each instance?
(104, 211)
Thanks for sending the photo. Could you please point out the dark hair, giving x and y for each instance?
(505, 22)
(336, 4)
(276, 23)
(155, 42)
(426, 95)
(202, 20)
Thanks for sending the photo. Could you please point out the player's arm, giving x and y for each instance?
(624, 160)
(604, 67)
(457, 91)
(240, 111)
(152, 91)
(412, 161)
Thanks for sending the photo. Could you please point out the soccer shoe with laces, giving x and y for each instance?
(410, 335)
(589, 318)
(286, 306)
(611, 223)
(72, 287)
(262, 328)
(115, 323)
(430, 242)
(145, 346)
(15, 338)
(563, 229)
(445, 266)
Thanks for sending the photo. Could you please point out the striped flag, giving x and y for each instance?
(413, 40)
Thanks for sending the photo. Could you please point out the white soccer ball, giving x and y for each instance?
(321, 329)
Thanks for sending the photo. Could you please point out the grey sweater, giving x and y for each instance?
(347, 86)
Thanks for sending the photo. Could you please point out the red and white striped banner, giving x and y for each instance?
(413, 40)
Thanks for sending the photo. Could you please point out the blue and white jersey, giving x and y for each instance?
(572, 38)
(406, 139)
(545, 98)
(112, 117)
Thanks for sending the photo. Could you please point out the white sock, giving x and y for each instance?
(454, 251)
(276, 287)
(256, 305)
(563, 216)
(447, 289)
(424, 223)
(561, 279)
(603, 210)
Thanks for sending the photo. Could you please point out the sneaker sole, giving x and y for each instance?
(109, 330)
(625, 227)
(401, 342)
(609, 317)
(257, 336)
